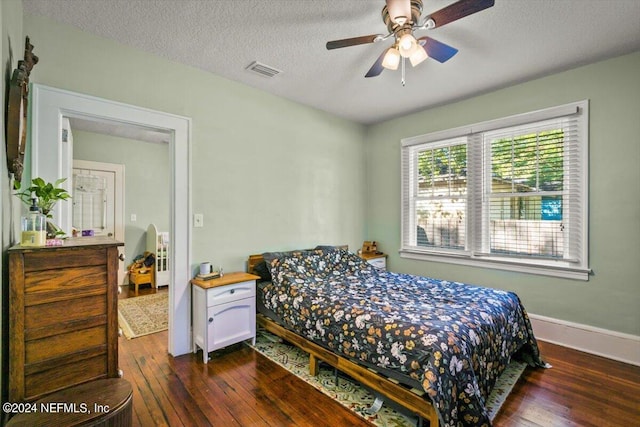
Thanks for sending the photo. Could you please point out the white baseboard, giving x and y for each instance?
(602, 342)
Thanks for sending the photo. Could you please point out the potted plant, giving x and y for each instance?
(47, 195)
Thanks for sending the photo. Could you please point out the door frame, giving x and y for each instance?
(51, 159)
(118, 198)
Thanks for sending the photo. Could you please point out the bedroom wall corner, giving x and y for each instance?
(11, 29)
(610, 298)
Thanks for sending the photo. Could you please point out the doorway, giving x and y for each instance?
(52, 159)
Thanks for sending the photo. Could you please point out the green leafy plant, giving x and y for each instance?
(46, 194)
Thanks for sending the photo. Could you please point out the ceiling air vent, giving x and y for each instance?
(262, 69)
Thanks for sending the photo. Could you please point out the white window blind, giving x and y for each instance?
(508, 193)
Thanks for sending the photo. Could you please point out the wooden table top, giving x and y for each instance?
(372, 255)
(227, 279)
(72, 242)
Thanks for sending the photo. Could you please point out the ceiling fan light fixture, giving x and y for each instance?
(399, 11)
(417, 56)
(402, 18)
(407, 45)
(391, 59)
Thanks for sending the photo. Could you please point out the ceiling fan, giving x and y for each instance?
(402, 18)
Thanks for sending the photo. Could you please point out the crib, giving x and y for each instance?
(158, 244)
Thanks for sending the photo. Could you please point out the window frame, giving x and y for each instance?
(475, 229)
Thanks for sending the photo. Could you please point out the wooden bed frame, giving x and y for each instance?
(375, 381)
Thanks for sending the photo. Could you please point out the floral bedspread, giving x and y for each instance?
(454, 339)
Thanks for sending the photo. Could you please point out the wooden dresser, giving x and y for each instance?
(63, 316)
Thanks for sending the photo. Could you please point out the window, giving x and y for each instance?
(509, 193)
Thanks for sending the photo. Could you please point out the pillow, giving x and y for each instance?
(270, 256)
(262, 270)
(327, 247)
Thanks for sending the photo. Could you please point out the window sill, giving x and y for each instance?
(521, 266)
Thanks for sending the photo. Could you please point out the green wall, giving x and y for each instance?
(267, 173)
(146, 178)
(611, 297)
(271, 174)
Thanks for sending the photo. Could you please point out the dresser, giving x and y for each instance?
(224, 311)
(63, 316)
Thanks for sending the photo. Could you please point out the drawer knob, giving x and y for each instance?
(210, 319)
(233, 291)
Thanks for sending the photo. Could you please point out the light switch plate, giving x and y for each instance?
(198, 220)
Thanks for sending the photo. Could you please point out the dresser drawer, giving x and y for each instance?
(233, 292)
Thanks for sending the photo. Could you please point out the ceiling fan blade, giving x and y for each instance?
(459, 10)
(377, 67)
(336, 44)
(437, 50)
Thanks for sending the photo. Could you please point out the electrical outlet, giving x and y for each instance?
(198, 220)
(134, 218)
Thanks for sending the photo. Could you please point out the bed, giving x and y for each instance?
(394, 332)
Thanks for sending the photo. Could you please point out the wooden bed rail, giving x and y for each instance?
(374, 381)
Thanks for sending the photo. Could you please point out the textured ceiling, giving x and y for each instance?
(514, 41)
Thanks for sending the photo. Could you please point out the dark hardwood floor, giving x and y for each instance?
(239, 387)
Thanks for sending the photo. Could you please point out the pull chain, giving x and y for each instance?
(403, 81)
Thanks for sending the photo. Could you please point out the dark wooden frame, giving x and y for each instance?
(377, 382)
(17, 110)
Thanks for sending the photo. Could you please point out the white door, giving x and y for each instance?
(98, 202)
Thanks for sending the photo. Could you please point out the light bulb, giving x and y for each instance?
(418, 55)
(406, 45)
(391, 59)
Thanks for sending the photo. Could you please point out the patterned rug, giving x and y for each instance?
(143, 315)
(355, 396)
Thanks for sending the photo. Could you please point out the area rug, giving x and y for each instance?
(143, 315)
(358, 398)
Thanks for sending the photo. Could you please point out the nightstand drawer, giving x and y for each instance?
(378, 262)
(233, 292)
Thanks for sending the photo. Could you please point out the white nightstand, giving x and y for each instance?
(224, 311)
(376, 259)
